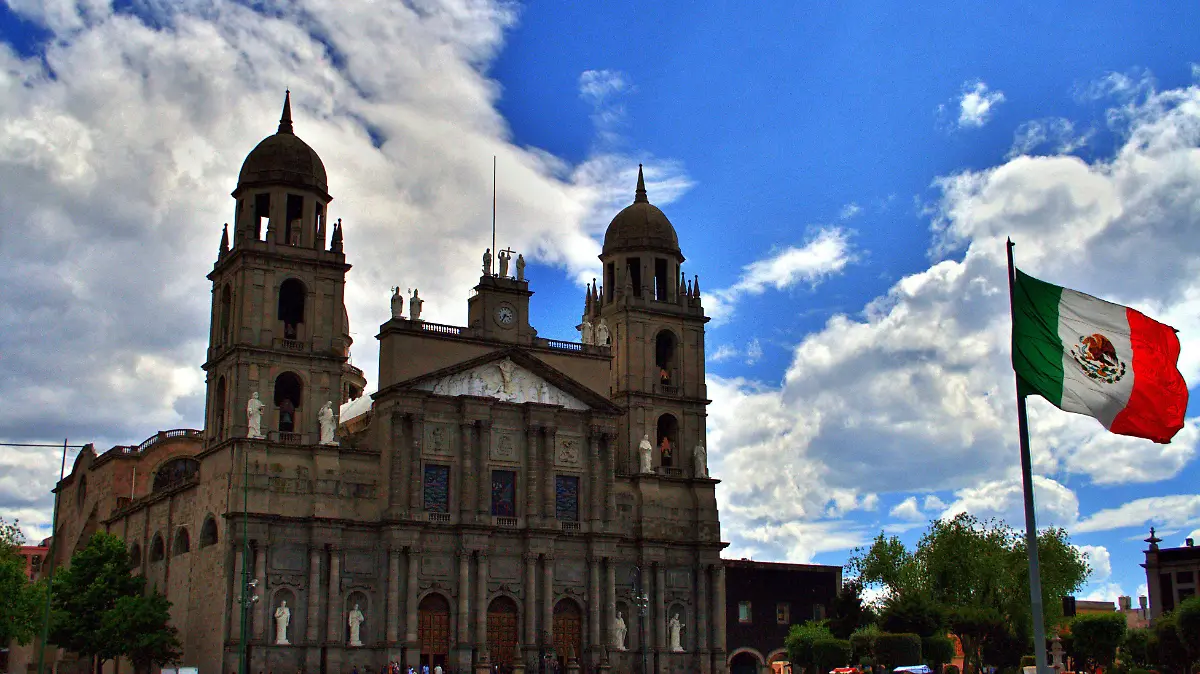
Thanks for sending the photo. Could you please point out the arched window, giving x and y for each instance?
(664, 358)
(225, 310)
(218, 404)
(668, 438)
(288, 390)
(208, 532)
(135, 556)
(175, 472)
(183, 543)
(158, 550)
(81, 492)
(291, 307)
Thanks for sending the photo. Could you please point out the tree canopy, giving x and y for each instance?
(1096, 637)
(19, 599)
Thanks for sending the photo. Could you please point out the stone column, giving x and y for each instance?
(393, 597)
(646, 634)
(531, 474)
(702, 608)
(260, 606)
(531, 632)
(549, 512)
(484, 506)
(595, 496)
(610, 602)
(335, 633)
(410, 608)
(464, 592)
(481, 601)
(660, 610)
(548, 597)
(466, 474)
(415, 491)
(718, 618)
(610, 478)
(594, 601)
(312, 625)
(235, 625)
(400, 463)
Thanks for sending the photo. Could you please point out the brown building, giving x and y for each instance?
(763, 601)
(1172, 574)
(487, 505)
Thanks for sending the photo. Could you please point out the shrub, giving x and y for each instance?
(1028, 661)
(862, 642)
(897, 650)
(937, 650)
(950, 669)
(830, 653)
(800, 640)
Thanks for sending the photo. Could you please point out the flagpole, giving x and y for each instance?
(493, 212)
(1031, 542)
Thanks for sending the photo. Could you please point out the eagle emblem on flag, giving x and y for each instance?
(1098, 358)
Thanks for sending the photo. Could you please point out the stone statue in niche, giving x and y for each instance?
(328, 424)
(602, 334)
(487, 262)
(506, 379)
(415, 305)
(675, 628)
(543, 392)
(520, 267)
(437, 440)
(397, 303)
(254, 410)
(588, 332)
(355, 621)
(283, 616)
(645, 451)
(700, 454)
(619, 632)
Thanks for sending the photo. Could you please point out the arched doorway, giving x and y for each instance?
(668, 436)
(433, 630)
(502, 619)
(744, 663)
(288, 390)
(568, 631)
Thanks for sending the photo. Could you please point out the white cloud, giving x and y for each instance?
(1175, 511)
(849, 211)
(754, 351)
(1055, 505)
(826, 252)
(1105, 592)
(934, 504)
(976, 104)
(597, 86)
(907, 510)
(1056, 133)
(723, 352)
(1100, 561)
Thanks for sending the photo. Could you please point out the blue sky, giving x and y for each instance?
(841, 175)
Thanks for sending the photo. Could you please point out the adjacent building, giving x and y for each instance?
(501, 498)
(1171, 574)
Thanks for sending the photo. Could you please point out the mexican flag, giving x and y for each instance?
(1097, 358)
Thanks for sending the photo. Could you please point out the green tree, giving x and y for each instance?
(1139, 648)
(138, 627)
(97, 577)
(847, 613)
(799, 643)
(830, 653)
(19, 599)
(897, 650)
(912, 612)
(937, 651)
(1187, 625)
(974, 626)
(1097, 636)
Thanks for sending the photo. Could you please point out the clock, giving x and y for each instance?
(506, 315)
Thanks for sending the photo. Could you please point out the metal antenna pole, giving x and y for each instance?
(50, 579)
(493, 212)
(245, 556)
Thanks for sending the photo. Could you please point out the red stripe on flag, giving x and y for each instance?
(1159, 398)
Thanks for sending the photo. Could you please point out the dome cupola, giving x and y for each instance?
(283, 160)
(641, 226)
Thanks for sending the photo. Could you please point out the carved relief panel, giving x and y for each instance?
(506, 445)
(439, 439)
(569, 452)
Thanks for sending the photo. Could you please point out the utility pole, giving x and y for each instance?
(642, 598)
(247, 585)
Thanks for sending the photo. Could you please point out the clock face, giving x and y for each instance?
(505, 315)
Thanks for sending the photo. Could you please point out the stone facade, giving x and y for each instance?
(1172, 574)
(486, 506)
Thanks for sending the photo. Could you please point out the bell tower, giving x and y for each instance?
(654, 321)
(279, 324)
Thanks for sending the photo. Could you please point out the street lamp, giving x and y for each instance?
(247, 597)
(642, 599)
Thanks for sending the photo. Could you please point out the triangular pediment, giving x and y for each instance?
(503, 380)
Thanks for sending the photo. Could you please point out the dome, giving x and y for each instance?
(284, 159)
(641, 226)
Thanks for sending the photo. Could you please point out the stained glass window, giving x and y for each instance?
(504, 493)
(566, 490)
(437, 489)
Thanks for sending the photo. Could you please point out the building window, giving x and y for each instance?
(818, 611)
(437, 489)
(744, 612)
(566, 502)
(175, 472)
(1183, 577)
(504, 493)
(783, 613)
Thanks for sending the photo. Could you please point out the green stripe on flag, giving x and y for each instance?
(1037, 351)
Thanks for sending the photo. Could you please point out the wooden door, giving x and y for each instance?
(568, 631)
(433, 629)
(502, 629)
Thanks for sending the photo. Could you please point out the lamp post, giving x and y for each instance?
(642, 599)
(247, 599)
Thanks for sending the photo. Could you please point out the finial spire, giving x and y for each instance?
(640, 196)
(285, 120)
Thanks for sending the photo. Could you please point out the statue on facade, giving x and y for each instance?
(645, 449)
(397, 303)
(254, 409)
(415, 305)
(619, 632)
(356, 620)
(588, 332)
(520, 267)
(487, 262)
(602, 334)
(328, 425)
(675, 628)
(283, 616)
(504, 258)
(700, 455)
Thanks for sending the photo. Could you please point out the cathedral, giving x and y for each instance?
(501, 501)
